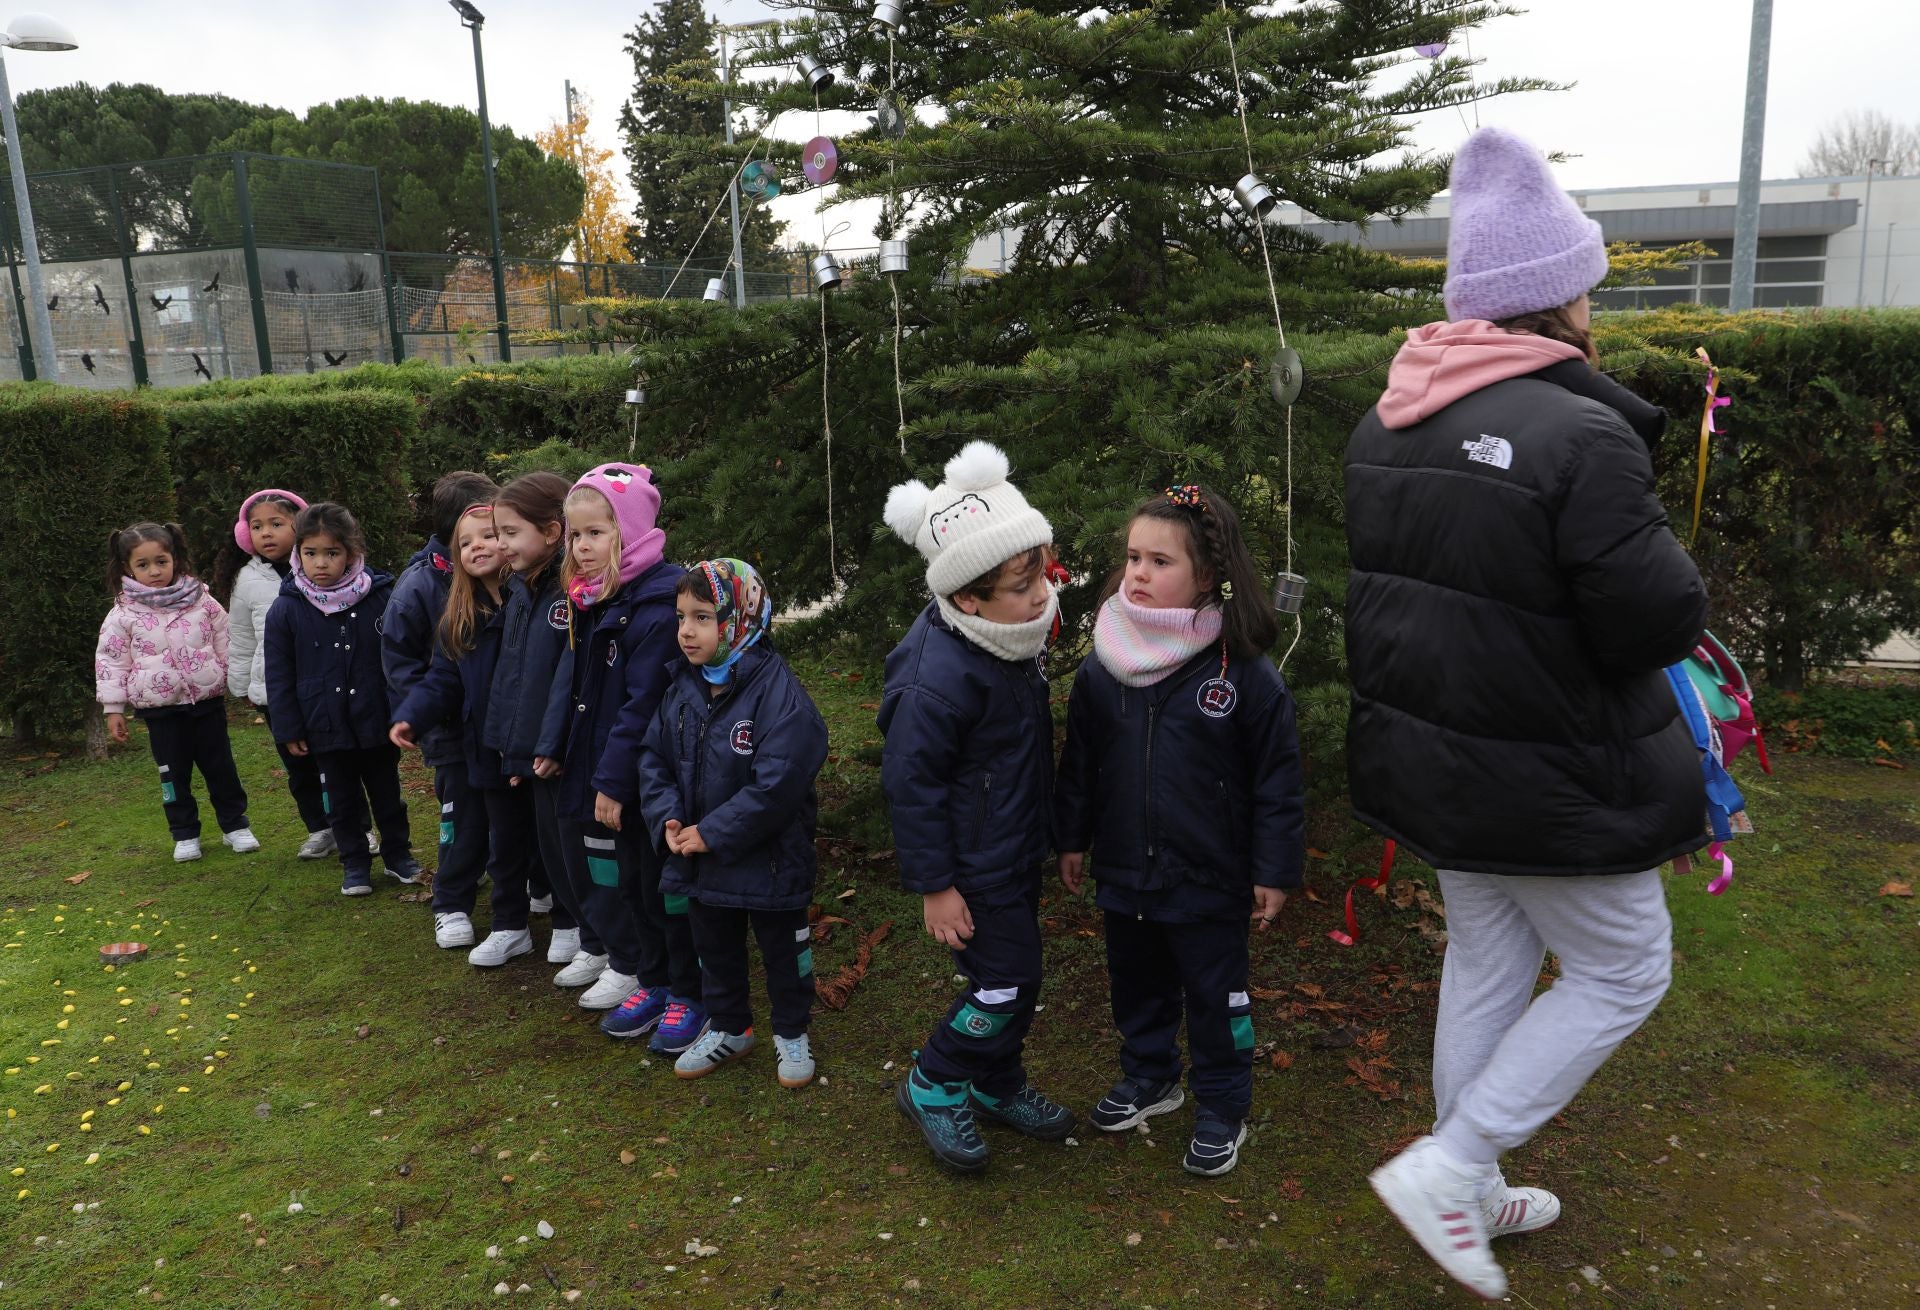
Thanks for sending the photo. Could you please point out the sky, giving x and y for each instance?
(1655, 97)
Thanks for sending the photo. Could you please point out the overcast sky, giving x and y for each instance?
(1656, 96)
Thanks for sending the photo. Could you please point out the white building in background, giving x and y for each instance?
(1828, 241)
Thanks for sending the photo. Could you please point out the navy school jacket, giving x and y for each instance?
(524, 717)
(454, 695)
(409, 637)
(741, 765)
(1186, 789)
(325, 685)
(968, 763)
(616, 674)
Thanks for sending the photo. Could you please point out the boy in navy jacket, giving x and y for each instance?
(406, 651)
(726, 784)
(967, 770)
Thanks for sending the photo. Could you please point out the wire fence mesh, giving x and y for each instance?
(178, 271)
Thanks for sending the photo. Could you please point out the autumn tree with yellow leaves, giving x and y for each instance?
(601, 230)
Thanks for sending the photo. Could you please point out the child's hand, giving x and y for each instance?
(296, 748)
(691, 842)
(1073, 871)
(117, 727)
(401, 735)
(1267, 903)
(949, 922)
(545, 768)
(673, 835)
(606, 811)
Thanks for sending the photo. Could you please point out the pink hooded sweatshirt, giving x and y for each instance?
(1442, 362)
(150, 658)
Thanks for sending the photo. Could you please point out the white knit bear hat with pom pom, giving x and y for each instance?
(970, 524)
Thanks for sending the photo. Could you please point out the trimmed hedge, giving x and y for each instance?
(353, 446)
(78, 465)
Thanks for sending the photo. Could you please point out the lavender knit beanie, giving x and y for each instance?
(1517, 243)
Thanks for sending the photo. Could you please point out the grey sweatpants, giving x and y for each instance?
(1504, 1062)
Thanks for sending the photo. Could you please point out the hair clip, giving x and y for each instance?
(1187, 497)
(1226, 591)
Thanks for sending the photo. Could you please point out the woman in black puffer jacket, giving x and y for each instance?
(1515, 593)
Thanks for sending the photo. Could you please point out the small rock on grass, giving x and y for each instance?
(544, 1228)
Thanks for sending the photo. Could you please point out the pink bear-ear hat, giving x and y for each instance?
(242, 534)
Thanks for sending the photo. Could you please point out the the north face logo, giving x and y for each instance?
(1489, 450)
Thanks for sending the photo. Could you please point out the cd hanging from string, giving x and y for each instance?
(760, 180)
(820, 161)
(887, 120)
(1285, 376)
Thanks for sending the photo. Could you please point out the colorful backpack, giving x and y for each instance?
(1717, 702)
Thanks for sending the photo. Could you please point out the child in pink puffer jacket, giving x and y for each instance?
(163, 652)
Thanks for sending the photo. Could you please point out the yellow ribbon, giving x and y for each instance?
(1714, 401)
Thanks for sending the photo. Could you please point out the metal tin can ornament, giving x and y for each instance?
(636, 395)
(893, 257)
(1254, 196)
(1285, 377)
(826, 272)
(716, 289)
(888, 15)
(1289, 593)
(819, 77)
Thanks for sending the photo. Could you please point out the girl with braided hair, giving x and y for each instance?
(1180, 793)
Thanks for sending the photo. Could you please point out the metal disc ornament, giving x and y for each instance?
(760, 180)
(1285, 376)
(1431, 50)
(820, 161)
(887, 119)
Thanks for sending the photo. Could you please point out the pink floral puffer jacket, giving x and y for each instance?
(149, 658)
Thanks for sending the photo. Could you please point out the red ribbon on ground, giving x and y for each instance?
(1379, 880)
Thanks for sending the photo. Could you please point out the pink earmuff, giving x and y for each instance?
(242, 534)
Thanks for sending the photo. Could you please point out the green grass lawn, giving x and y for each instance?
(1754, 1146)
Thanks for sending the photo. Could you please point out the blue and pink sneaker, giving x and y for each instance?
(681, 1026)
(636, 1016)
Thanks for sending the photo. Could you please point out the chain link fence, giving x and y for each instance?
(178, 271)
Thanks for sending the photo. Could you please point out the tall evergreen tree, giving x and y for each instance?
(672, 123)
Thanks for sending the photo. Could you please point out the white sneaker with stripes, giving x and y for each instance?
(1437, 1199)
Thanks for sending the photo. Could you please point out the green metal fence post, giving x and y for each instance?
(244, 207)
(137, 346)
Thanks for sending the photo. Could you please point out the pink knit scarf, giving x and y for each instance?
(1139, 646)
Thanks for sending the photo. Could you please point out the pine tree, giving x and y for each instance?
(672, 122)
(1128, 345)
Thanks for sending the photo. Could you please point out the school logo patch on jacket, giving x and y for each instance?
(1217, 697)
(741, 738)
(557, 616)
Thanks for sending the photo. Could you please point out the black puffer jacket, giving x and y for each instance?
(1515, 592)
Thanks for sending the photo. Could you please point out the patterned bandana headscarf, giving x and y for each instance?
(741, 609)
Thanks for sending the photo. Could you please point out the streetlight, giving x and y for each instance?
(31, 32)
(733, 187)
(1866, 234)
(472, 19)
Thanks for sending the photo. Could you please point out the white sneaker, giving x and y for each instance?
(564, 946)
(1507, 1211)
(583, 970)
(1436, 1199)
(796, 1060)
(540, 905)
(186, 850)
(609, 991)
(502, 944)
(451, 930)
(241, 841)
(318, 845)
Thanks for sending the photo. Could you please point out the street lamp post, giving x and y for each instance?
(1746, 209)
(31, 32)
(472, 19)
(733, 187)
(1866, 233)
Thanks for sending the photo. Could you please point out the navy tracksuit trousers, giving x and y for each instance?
(188, 737)
(463, 841)
(351, 781)
(1160, 969)
(553, 861)
(303, 782)
(985, 1030)
(786, 949)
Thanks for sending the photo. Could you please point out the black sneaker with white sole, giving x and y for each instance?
(1131, 1102)
(1215, 1147)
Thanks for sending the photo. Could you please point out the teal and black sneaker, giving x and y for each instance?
(944, 1115)
(1215, 1147)
(1026, 1111)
